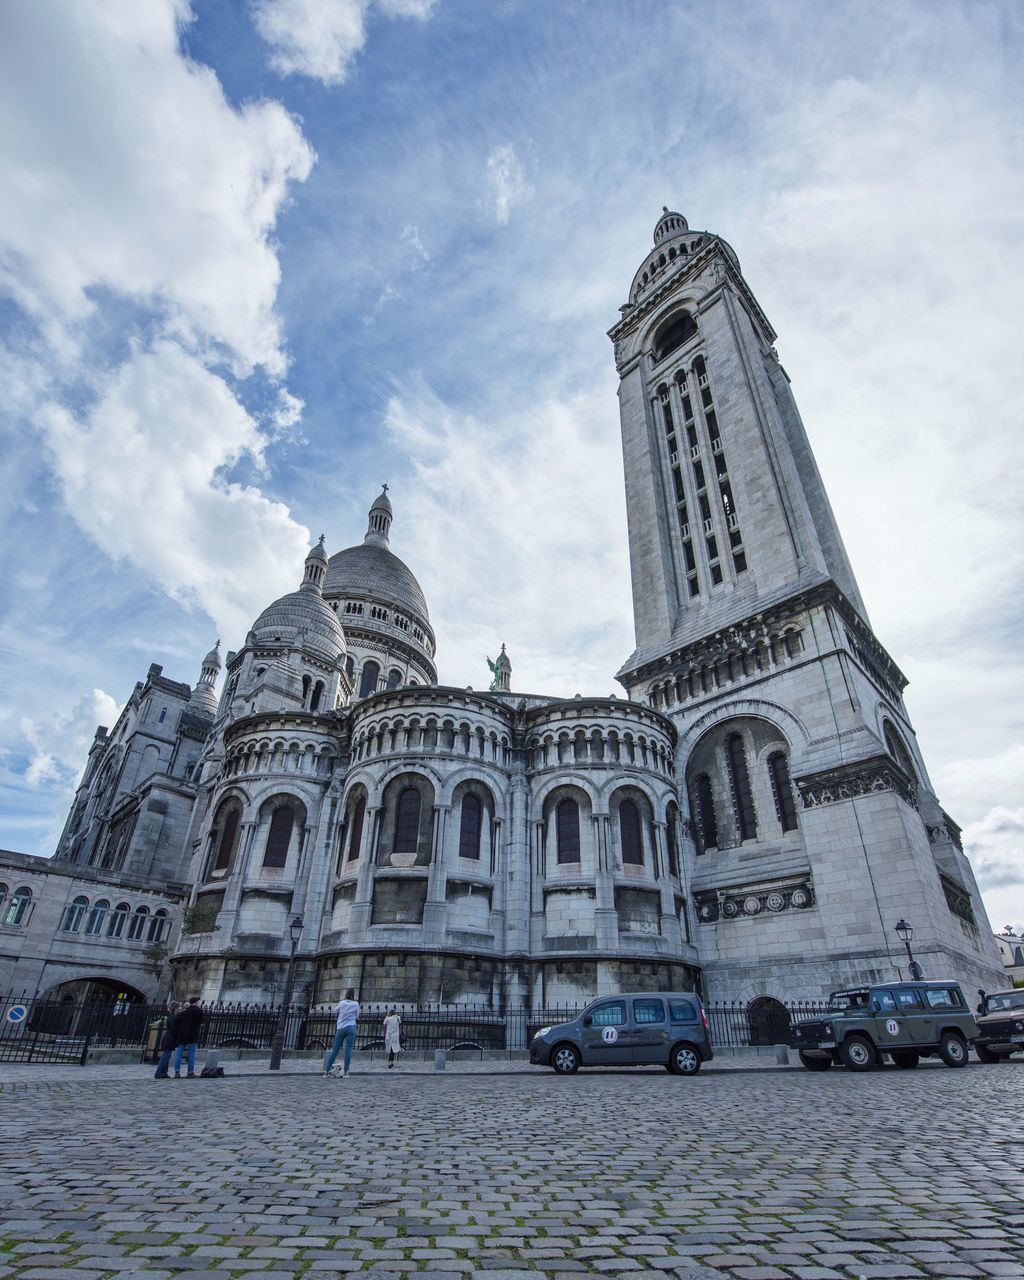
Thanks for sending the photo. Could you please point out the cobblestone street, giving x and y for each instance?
(758, 1176)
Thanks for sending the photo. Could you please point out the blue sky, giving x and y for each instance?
(256, 258)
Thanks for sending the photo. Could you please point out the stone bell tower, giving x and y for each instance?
(813, 824)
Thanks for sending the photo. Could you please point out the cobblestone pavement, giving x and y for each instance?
(757, 1176)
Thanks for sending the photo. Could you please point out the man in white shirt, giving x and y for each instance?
(348, 1013)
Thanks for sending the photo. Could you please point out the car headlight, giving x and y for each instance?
(542, 1032)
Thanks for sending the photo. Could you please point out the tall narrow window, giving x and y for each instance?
(629, 833)
(117, 919)
(73, 914)
(368, 680)
(707, 823)
(94, 925)
(782, 788)
(743, 800)
(394, 678)
(226, 842)
(279, 837)
(567, 831)
(672, 840)
(137, 925)
(895, 748)
(355, 835)
(17, 908)
(156, 926)
(407, 821)
(469, 829)
(306, 683)
(317, 698)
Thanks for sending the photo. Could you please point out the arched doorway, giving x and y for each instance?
(768, 1020)
(102, 1007)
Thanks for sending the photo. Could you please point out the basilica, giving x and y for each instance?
(750, 818)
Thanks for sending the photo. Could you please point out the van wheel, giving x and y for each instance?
(814, 1064)
(906, 1059)
(858, 1053)
(684, 1060)
(953, 1049)
(986, 1055)
(565, 1060)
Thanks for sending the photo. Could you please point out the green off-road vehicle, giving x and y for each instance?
(904, 1021)
(1000, 1024)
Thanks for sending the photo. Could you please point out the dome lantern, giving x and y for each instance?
(669, 224)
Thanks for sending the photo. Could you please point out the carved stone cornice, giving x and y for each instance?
(861, 778)
(738, 902)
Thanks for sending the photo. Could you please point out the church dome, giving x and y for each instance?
(304, 616)
(370, 570)
(669, 224)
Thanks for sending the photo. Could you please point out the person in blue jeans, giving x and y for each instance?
(348, 1012)
(168, 1041)
(189, 1022)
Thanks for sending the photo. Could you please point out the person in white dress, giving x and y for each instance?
(392, 1023)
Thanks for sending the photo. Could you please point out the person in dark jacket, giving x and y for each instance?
(187, 1036)
(168, 1040)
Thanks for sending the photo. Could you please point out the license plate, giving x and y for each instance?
(827, 1044)
(1016, 1039)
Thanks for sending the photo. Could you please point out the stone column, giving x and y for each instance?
(606, 920)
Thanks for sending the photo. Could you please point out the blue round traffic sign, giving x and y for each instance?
(17, 1013)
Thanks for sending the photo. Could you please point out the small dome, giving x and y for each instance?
(319, 552)
(669, 224)
(383, 503)
(203, 700)
(301, 617)
(212, 660)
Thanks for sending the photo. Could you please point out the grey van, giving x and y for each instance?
(669, 1029)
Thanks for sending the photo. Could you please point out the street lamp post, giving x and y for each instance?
(905, 932)
(277, 1048)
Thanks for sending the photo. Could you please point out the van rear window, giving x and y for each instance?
(682, 1011)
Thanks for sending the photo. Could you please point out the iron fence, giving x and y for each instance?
(33, 1029)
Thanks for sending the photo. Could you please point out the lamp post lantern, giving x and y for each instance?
(277, 1047)
(905, 932)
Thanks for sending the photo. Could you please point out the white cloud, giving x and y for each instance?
(142, 472)
(996, 847)
(59, 745)
(501, 560)
(506, 180)
(320, 38)
(137, 211)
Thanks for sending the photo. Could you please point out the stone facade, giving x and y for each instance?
(753, 817)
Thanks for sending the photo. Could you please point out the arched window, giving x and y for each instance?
(894, 746)
(743, 800)
(629, 833)
(226, 836)
(94, 925)
(156, 926)
(679, 329)
(279, 837)
(567, 831)
(306, 682)
(672, 840)
(355, 835)
(137, 924)
(316, 699)
(394, 678)
(73, 914)
(782, 789)
(350, 667)
(407, 821)
(707, 823)
(3, 899)
(17, 908)
(469, 829)
(117, 918)
(368, 680)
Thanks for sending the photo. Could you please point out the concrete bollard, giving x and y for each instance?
(439, 1060)
(781, 1055)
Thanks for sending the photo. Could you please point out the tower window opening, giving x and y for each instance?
(677, 480)
(698, 471)
(355, 835)
(691, 437)
(705, 395)
(394, 678)
(318, 693)
(705, 508)
(279, 837)
(306, 683)
(782, 789)
(739, 779)
(716, 573)
(469, 827)
(666, 410)
(407, 822)
(567, 831)
(739, 562)
(630, 834)
(707, 823)
(712, 544)
(691, 563)
(735, 537)
(368, 680)
(687, 409)
(693, 585)
(679, 329)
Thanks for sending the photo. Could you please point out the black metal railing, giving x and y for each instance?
(33, 1029)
